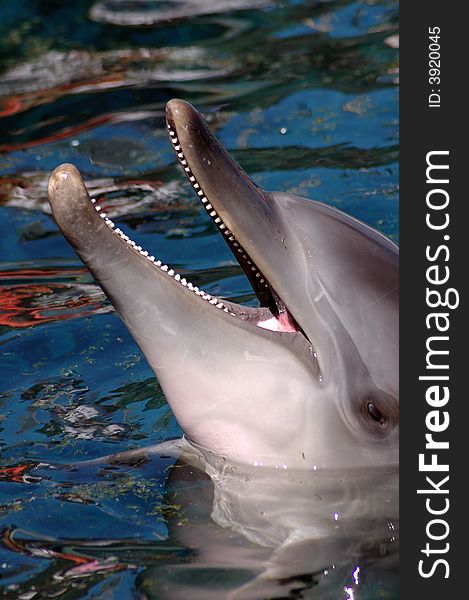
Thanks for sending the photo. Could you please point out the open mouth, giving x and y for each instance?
(272, 314)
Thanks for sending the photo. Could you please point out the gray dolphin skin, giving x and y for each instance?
(307, 380)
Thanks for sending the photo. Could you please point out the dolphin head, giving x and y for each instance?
(307, 379)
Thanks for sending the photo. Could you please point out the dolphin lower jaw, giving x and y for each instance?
(66, 181)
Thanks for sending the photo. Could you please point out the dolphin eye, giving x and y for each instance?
(379, 413)
(375, 414)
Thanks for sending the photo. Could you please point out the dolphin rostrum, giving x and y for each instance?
(310, 377)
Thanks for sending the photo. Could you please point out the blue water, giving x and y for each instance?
(303, 94)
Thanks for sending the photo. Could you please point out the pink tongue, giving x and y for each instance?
(280, 323)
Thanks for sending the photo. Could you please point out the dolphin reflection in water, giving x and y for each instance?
(290, 408)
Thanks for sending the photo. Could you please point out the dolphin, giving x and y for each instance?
(309, 378)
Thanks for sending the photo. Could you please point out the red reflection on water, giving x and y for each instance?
(22, 102)
(37, 273)
(19, 474)
(85, 71)
(29, 305)
(60, 135)
(84, 565)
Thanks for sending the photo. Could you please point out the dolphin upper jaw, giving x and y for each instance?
(265, 384)
(225, 191)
